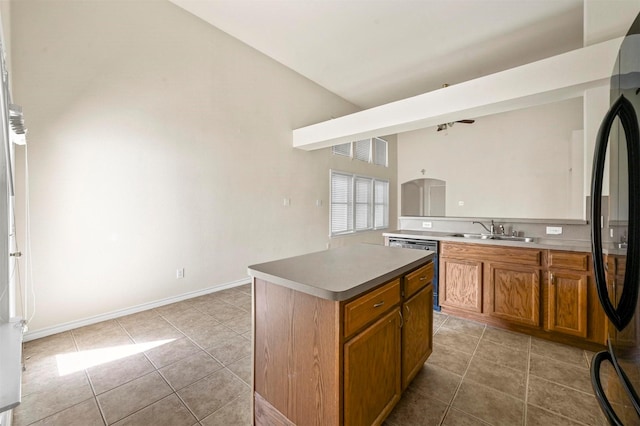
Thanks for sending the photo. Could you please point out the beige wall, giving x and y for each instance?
(510, 165)
(157, 142)
(607, 19)
(475, 154)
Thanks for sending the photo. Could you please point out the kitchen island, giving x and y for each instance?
(339, 334)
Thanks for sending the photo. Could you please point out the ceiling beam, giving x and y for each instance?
(552, 79)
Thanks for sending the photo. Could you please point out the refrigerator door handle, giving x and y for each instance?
(608, 410)
(621, 315)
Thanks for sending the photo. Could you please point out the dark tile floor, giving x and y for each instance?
(189, 363)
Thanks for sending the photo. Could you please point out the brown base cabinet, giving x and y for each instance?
(461, 284)
(417, 333)
(546, 293)
(616, 265)
(371, 392)
(324, 362)
(567, 307)
(514, 293)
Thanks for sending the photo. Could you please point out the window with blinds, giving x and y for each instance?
(358, 203)
(362, 150)
(363, 208)
(344, 149)
(341, 203)
(374, 150)
(381, 204)
(380, 152)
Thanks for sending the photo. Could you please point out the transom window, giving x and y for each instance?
(374, 150)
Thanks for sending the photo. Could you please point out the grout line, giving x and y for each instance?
(573, 420)
(455, 394)
(156, 369)
(91, 386)
(188, 408)
(564, 386)
(526, 384)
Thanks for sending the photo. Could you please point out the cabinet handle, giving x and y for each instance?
(423, 278)
(377, 305)
(552, 279)
(408, 312)
(401, 319)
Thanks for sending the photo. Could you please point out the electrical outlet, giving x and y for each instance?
(554, 230)
(180, 273)
(426, 224)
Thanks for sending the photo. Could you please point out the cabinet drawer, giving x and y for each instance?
(417, 279)
(369, 307)
(569, 260)
(490, 253)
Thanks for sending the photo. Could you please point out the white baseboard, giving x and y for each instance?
(44, 332)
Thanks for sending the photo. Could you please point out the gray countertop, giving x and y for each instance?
(341, 273)
(541, 243)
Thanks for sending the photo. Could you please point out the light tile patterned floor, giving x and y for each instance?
(189, 364)
(480, 375)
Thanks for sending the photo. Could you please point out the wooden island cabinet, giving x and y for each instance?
(339, 353)
(542, 292)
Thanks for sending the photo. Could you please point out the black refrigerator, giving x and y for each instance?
(615, 235)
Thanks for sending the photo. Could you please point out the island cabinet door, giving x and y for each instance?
(417, 333)
(372, 372)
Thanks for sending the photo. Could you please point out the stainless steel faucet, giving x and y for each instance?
(491, 230)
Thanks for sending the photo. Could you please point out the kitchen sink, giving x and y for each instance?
(513, 238)
(495, 237)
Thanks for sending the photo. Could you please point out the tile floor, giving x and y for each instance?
(189, 363)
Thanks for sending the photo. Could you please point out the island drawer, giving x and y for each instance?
(371, 306)
(417, 279)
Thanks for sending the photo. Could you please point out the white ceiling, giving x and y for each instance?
(372, 52)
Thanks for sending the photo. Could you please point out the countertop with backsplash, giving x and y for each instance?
(543, 243)
(574, 235)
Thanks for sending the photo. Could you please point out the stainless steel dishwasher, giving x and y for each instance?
(419, 244)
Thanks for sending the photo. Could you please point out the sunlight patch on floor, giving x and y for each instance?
(76, 361)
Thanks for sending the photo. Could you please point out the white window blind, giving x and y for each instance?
(363, 196)
(358, 203)
(341, 203)
(344, 149)
(362, 150)
(380, 152)
(381, 204)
